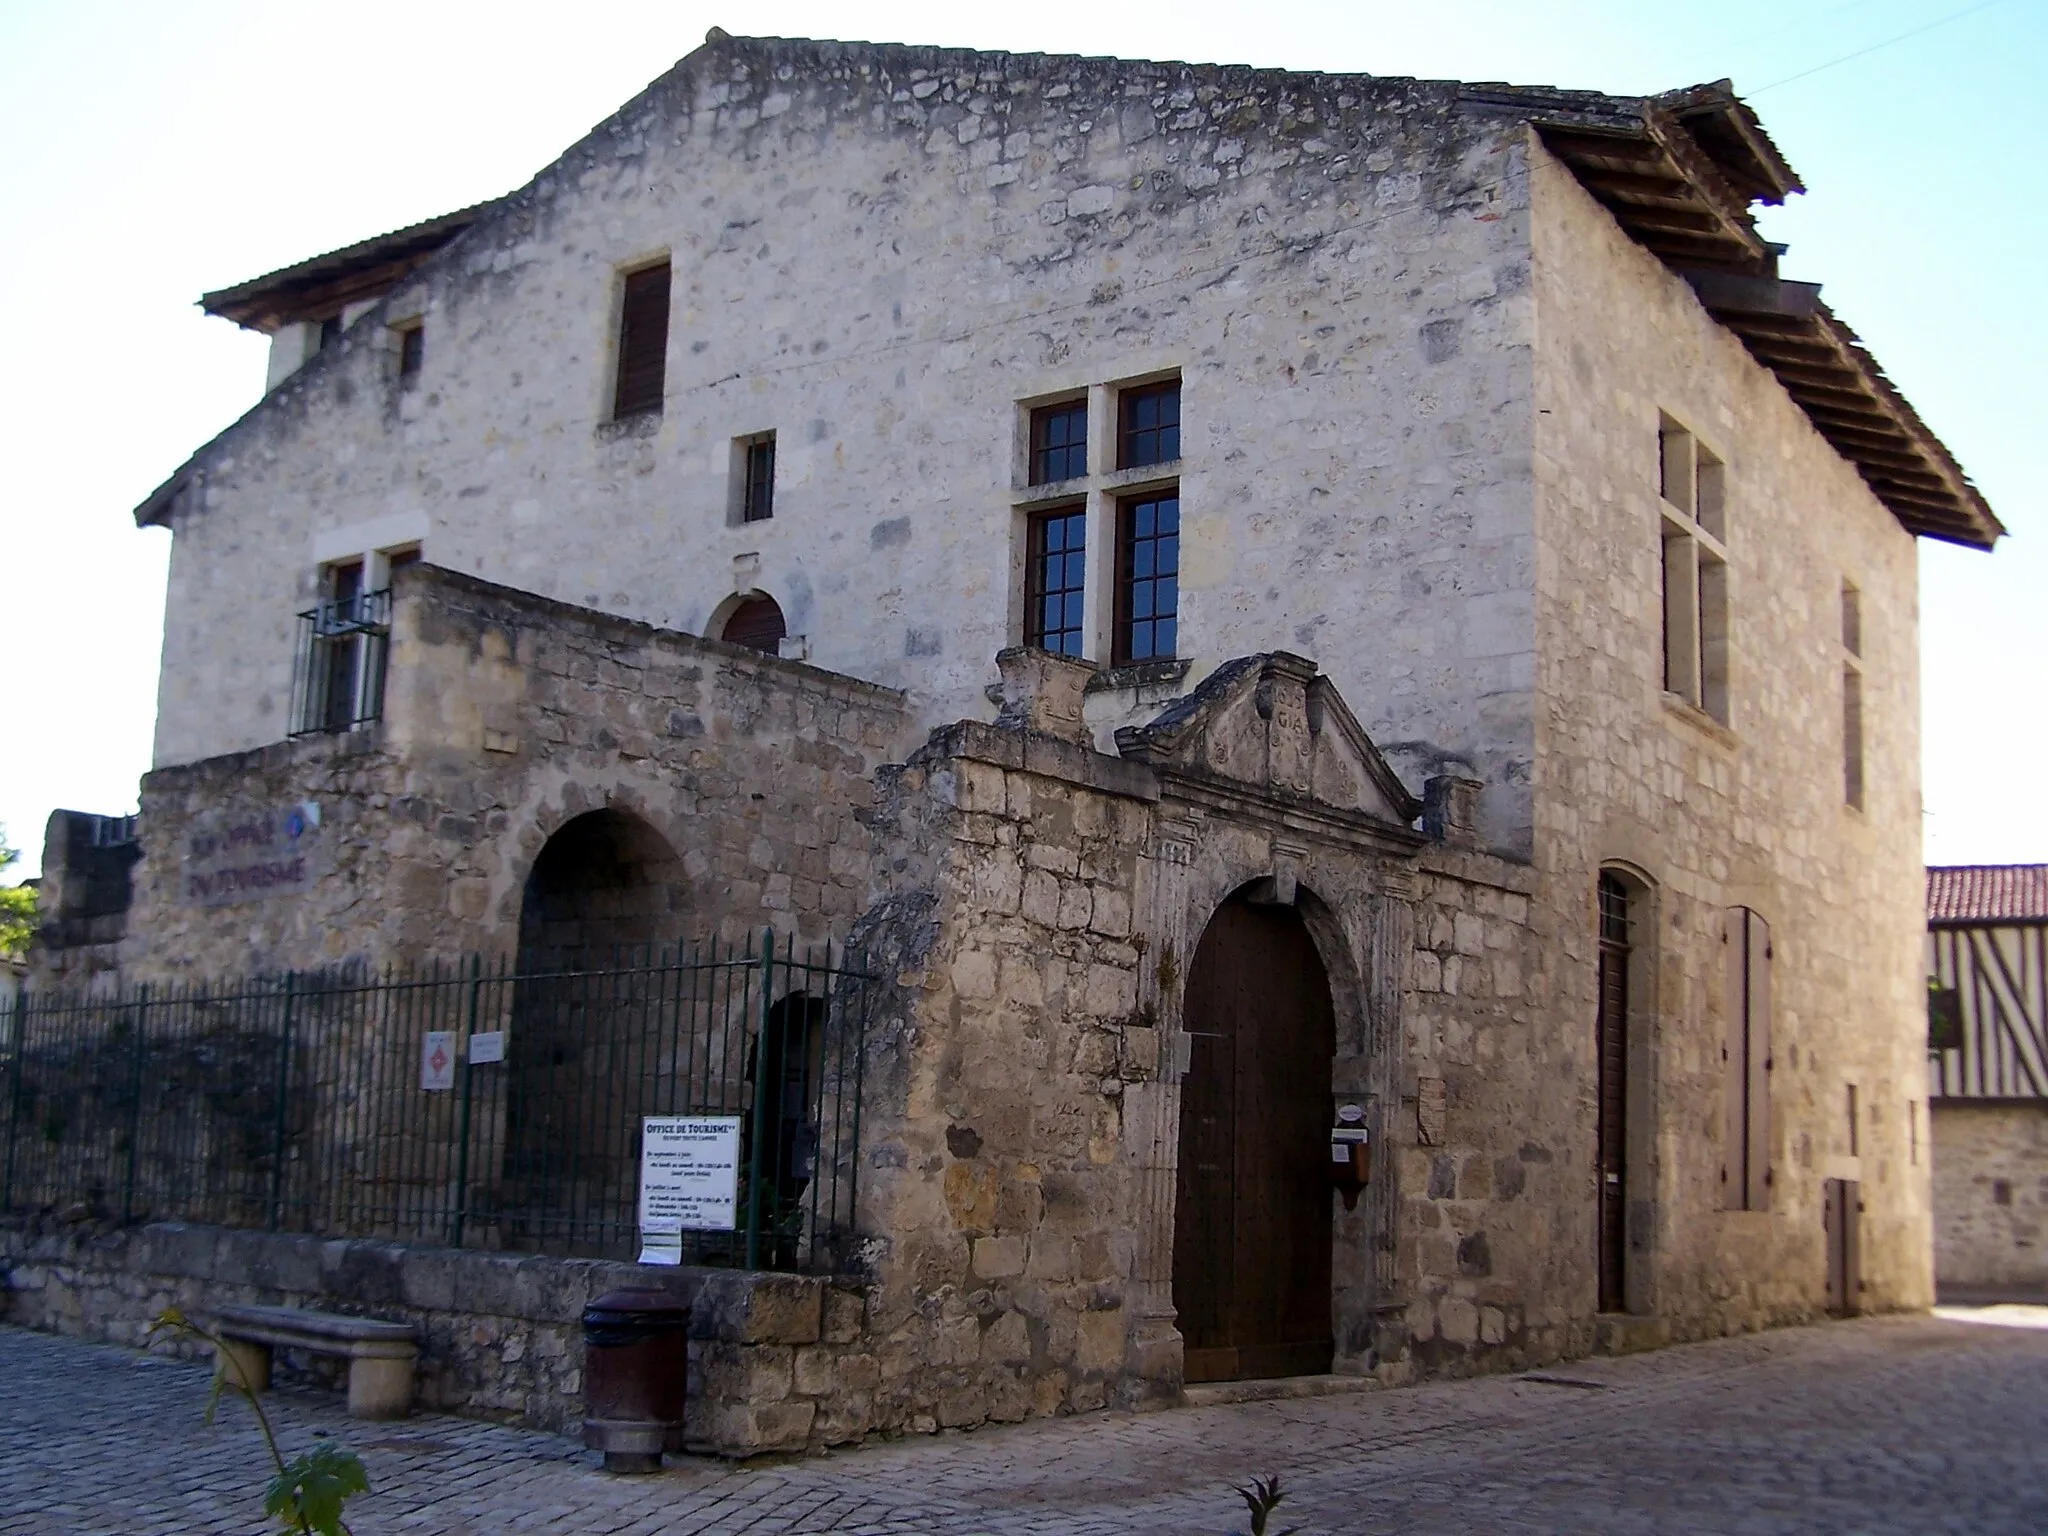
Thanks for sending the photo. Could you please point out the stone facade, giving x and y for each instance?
(506, 718)
(1427, 381)
(1990, 1195)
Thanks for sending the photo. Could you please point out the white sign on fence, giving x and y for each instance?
(486, 1048)
(437, 1060)
(689, 1176)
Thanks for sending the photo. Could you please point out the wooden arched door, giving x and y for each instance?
(1251, 1240)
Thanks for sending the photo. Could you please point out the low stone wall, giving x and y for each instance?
(775, 1362)
(1990, 1194)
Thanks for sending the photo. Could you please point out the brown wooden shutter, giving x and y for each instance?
(757, 624)
(1758, 1158)
(643, 341)
(1734, 1055)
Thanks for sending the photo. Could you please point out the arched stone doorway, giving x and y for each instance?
(1252, 1239)
(603, 895)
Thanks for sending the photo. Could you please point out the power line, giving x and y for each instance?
(1982, 5)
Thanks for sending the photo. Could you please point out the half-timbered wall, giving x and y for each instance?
(1988, 1107)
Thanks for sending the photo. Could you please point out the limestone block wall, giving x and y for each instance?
(879, 254)
(506, 716)
(774, 1359)
(1990, 1194)
(1710, 816)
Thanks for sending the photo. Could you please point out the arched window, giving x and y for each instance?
(756, 624)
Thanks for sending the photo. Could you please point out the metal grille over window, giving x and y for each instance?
(1058, 555)
(338, 672)
(643, 342)
(1150, 428)
(1059, 442)
(1148, 578)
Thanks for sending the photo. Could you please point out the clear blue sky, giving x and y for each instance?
(154, 151)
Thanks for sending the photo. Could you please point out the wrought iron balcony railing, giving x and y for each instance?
(338, 670)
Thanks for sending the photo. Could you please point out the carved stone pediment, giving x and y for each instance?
(1270, 723)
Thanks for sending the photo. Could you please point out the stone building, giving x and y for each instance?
(1247, 594)
(1987, 1110)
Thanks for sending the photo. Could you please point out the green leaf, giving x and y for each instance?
(308, 1494)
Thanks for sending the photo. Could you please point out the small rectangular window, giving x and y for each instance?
(1059, 442)
(757, 493)
(1148, 425)
(1855, 1125)
(1054, 580)
(643, 342)
(330, 333)
(1148, 578)
(1692, 523)
(1852, 619)
(412, 351)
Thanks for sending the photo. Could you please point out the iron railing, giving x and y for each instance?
(470, 1104)
(338, 664)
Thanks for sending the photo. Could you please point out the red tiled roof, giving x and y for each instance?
(1988, 893)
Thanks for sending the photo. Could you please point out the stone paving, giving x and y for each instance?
(1909, 1424)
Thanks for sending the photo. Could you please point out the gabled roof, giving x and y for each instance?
(322, 286)
(1678, 171)
(1959, 894)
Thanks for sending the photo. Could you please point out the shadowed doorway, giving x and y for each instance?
(1251, 1242)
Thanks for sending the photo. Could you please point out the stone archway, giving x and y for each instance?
(603, 895)
(1252, 1226)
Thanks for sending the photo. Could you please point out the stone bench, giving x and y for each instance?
(380, 1355)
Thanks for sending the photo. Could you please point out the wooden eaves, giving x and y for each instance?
(1679, 172)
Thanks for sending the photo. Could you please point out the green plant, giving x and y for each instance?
(308, 1492)
(1262, 1498)
(17, 907)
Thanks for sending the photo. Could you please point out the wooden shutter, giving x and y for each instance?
(1757, 1197)
(643, 341)
(1734, 1056)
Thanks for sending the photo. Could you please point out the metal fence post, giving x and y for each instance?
(476, 985)
(757, 1156)
(135, 1105)
(284, 1069)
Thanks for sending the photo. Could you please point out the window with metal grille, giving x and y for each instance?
(1058, 555)
(643, 342)
(1059, 442)
(1147, 577)
(757, 624)
(1148, 425)
(757, 488)
(338, 673)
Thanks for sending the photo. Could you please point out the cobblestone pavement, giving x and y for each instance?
(1923, 1424)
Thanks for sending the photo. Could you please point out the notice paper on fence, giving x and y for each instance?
(689, 1176)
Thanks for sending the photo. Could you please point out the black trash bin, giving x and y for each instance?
(636, 1360)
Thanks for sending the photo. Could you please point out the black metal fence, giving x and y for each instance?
(470, 1104)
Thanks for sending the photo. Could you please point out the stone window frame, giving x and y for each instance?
(1102, 491)
(1693, 568)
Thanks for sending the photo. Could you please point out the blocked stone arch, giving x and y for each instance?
(605, 880)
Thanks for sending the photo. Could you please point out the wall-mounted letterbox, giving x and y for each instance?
(1350, 1154)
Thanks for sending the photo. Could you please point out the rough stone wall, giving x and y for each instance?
(1990, 1194)
(501, 1335)
(1710, 817)
(506, 716)
(879, 253)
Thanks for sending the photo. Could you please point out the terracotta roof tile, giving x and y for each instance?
(1988, 893)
